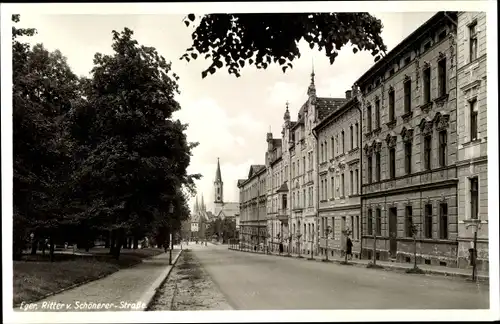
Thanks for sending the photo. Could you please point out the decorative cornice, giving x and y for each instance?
(376, 146)
(441, 56)
(407, 135)
(426, 127)
(368, 150)
(426, 107)
(441, 121)
(391, 140)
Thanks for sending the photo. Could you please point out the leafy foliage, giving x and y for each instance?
(99, 154)
(43, 88)
(221, 228)
(236, 40)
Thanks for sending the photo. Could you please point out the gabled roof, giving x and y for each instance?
(240, 182)
(254, 169)
(283, 188)
(325, 106)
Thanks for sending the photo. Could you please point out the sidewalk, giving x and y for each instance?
(128, 289)
(397, 266)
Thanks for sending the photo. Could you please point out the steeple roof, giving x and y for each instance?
(218, 177)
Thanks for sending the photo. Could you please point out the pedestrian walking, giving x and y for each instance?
(281, 247)
(349, 248)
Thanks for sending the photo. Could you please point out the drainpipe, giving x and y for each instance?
(316, 165)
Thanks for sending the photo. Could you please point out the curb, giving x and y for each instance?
(481, 278)
(15, 306)
(148, 297)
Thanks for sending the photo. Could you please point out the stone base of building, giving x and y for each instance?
(482, 265)
(338, 253)
(408, 257)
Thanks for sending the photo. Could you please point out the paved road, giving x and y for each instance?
(262, 282)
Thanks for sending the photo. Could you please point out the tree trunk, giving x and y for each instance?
(107, 240)
(414, 252)
(136, 243)
(51, 242)
(112, 242)
(34, 246)
(119, 244)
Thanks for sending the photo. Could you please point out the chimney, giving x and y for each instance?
(348, 94)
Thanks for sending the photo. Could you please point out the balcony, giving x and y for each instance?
(283, 214)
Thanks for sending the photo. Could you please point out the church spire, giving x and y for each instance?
(311, 91)
(218, 177)
(196, 206)
(202, 203)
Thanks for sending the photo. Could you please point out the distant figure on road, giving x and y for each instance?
(349, 248)
(281, 247)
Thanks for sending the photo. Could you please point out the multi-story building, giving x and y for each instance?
(253, 229)
(303, 171)
(409, 144)
(276, 201)
(339, 178)
(472, 160)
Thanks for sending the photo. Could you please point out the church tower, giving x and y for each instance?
(218, 186)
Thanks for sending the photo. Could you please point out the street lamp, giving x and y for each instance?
(171, 211)
(328, 230)
(476, 224)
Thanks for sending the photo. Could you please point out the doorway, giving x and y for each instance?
(393, 231)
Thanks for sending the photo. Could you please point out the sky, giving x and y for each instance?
(228, 116)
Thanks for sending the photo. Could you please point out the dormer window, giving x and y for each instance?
(407, 60)
(442, 35)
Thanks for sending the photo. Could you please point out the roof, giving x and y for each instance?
(240, 182)
(254, 169)
(283, 188)
(403, 44)
(325, 106)
(325, 121)
(218, 177)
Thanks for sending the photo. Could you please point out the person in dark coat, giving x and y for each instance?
(349, 248)
(281, 247)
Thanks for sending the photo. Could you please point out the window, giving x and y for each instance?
(293, 170)
(283, 201)
(442, 76)
(409, 221)
(333, 228)
(391, 105)
(332, 183)
(443, 221)
(343, 142)
(407, 96)
(427, 85)
(442, 148)
(407, 60)
(298, 167)
(370, 221)
(342, 184)
(474, 198)
(428, 221)
(378, 221)
(333, 147)
(304, 195)
(351, 187)
(356, 173)
(377, 113)
(473, 42)
(369, 119)
(337, 144)
(353, 228)
(408, 158)
(377, 166)
(369, 169)
(352, 137)
(304, 164)
(427, 152)
(427, 46)
(391, 72)
(392, 163)
(473, 119)
(357, 134)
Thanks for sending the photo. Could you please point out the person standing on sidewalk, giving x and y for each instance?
(349, 248)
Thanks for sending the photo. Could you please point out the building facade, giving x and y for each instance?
(409, 143)
(339, 178)
(303, 185)
(274, 181)
(472, 137)
(253, 219)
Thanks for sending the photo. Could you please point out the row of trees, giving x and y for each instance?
(97, 156)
